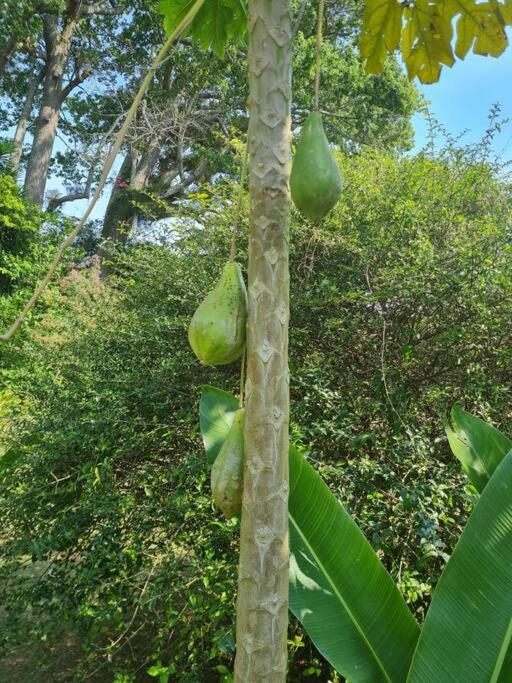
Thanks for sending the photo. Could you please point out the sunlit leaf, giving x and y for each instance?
(424, 30)
(382, 26)
(468, 628)
(216, 23)
(480, 27)
(216, 413)
(479, 446)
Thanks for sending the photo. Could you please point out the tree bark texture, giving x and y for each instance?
(118, 219)
(58, 45)
(262, 609)
(21, 128)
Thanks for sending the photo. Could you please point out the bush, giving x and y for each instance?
(400, 306)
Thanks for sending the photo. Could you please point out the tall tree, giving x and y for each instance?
(58, 32)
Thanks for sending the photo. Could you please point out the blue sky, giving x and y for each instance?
(461, 100)
(464, 95)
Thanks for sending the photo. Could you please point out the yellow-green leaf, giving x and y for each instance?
(382, 26)
(424, 31)
(480, 27)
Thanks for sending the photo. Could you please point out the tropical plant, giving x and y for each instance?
(263, 574)
(348, 603)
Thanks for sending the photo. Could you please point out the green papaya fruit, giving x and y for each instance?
(217, 329)
(228, 470)
(315, 180)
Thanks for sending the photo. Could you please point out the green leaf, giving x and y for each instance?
(216, 412)
(382, 27)
(9, 457)
(481, 27)
(426, 40)
(479, 446)
(425, 30)
(339, 589)
(216, 23)
(468, 627)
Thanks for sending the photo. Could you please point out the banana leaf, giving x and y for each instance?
(468, 627)
(480, 447)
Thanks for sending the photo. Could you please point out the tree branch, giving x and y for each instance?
(74, 82)
(98, 8)
(55, 202)
(187, 182)
(50, 33)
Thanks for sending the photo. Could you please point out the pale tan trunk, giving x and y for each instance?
(262, 609)
(23, 121)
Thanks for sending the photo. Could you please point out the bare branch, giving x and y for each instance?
(193, 177)
(55, 202)
(98, 8)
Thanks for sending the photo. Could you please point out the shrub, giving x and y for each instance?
(400, 306)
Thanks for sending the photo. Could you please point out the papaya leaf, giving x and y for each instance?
(339, 589)
(479, 446)
(426, 40)
(468, 627)
(424, 29)
(215, 25)
(382, 27)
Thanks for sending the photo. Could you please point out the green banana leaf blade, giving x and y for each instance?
(339, 589)
(468, 627)
(217, 410)
(479, 446)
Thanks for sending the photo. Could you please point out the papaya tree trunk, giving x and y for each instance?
(262, 609)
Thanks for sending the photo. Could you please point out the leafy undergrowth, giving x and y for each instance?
(400, 306)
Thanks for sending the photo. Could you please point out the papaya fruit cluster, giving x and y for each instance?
(217, 329)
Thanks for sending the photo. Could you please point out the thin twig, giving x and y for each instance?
(236, 218)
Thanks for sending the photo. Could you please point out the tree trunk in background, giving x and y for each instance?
(118, 215)
(57, 54)
(262, 609)
(21, 128)
(7, 52)
(121, 214)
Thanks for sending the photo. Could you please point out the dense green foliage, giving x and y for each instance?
(110, 541)
(21, 245)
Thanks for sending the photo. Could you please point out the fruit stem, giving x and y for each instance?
(242, 380)
(236, 218)
(319, 27)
